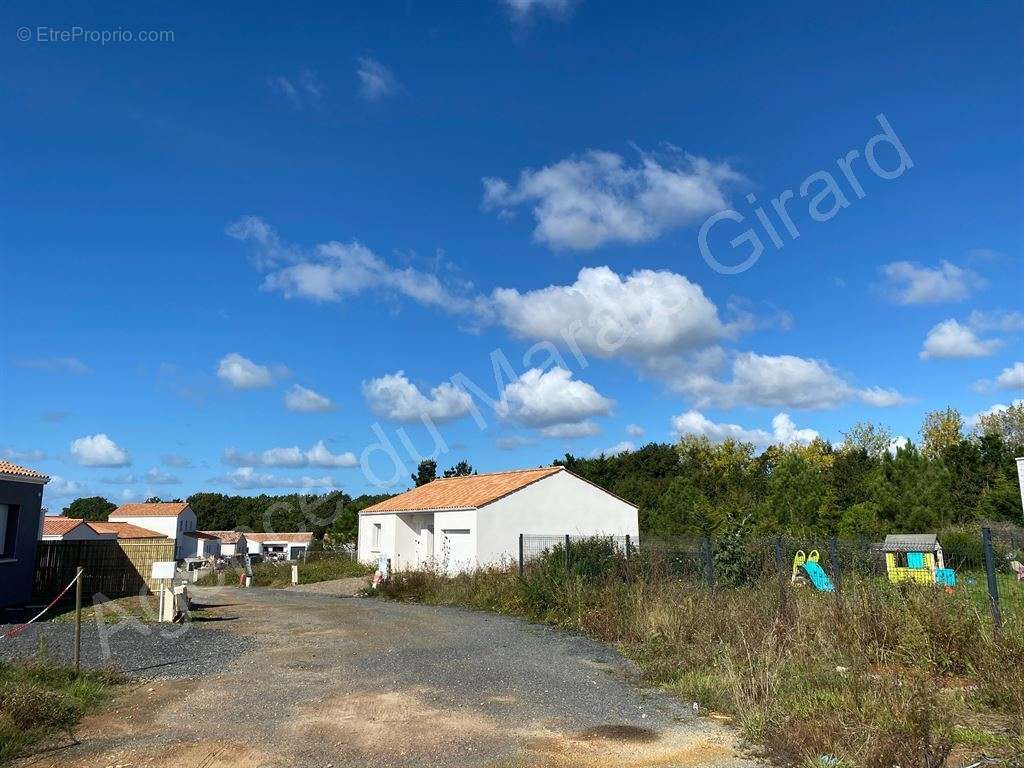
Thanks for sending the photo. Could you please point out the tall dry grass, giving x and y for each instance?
(881, 675)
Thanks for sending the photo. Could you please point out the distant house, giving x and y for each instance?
(172, 519)
(207, 544)
(21, 497)
(232, 543)
(57, 528)
(460, 523)
(126, 531)
(291, 545)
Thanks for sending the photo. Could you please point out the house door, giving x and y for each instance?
(458, 550)
(424, 544)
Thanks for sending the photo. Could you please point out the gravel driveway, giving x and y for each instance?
(295, 678)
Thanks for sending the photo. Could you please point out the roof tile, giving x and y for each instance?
(150, 509)
(7, 468)
(469, 492)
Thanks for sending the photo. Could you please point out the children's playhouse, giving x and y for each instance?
(916, 557)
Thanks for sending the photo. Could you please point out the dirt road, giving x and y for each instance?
(333, 682)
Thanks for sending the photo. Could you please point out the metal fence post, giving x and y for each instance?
(78, 619)
(520, 555)
(567, 553)
(629, 568)
(837, 569)
(990, 570)
(783, 609)
(709, 561)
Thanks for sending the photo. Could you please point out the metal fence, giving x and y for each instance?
(988, 563)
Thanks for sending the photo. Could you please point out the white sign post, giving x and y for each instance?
(163, 570)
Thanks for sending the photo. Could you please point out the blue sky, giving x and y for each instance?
(245, 258)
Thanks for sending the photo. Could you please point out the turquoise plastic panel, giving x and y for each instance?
(915, 560)
(819, 578)
(945, 576)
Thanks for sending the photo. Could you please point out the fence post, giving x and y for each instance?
(567, 553)
(78, 619)
(629, 567)
(990, 570)
(783, 609)
(837, 569)
(709, 561)
(520, 555)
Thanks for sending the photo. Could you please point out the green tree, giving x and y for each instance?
(873, 439)
(941, 430)
(462, 469)
(89, 508)
(425, 472)
(1007, 424)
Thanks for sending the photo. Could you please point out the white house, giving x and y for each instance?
(172, 519)
(291, 545)
(231, 542)
(206, 544)
(460, 523)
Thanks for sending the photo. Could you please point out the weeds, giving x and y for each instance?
(39, 700)
(882, 675)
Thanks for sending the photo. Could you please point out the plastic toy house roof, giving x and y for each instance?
(910, 542)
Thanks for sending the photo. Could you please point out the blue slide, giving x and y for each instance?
(819, 578)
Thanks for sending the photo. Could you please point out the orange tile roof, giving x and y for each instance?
(54, 525)
(226, 537)
(7, 468)
(294, 538)
(155, 509)
(469, 492)
(125, 530)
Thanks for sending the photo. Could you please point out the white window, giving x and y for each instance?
(375, 539)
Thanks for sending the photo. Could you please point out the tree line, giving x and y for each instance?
(869, 484)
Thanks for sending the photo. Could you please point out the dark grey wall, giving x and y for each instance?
(16, 575)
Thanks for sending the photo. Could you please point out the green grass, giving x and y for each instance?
(280, 575)
(40, 700)
(887, 675)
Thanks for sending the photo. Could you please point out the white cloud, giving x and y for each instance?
(974, 419)
(624, 447)
(306, 90)
(175, 460)
(1012, 377)
(304, 400)
(512, 442)
(549, 398)
(780, 381)
(395, 397)
(523, 10)
(375, 80)
(570, 431)
(59, 488)
(99, 451)
(158, 477)
(583, 202)
(242, 373)
(635, 430)
(55, 365)
(1003, 322)
(911, 283)
(13, 454)
(784, 431)
(293, 457)
(949, 339)
(897, 444)
(246, 478)
(647, 314)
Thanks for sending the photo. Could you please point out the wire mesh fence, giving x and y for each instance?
(987, 564)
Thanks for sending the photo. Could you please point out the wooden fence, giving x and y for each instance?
(113, 568)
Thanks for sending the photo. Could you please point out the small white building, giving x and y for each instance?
(292, 545)
(172, 519)
(461, 523)
(232, 543)
(206, 544)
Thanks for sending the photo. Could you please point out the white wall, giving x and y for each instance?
(170, 526)
(455, 520)
(80, 532)
(367, 553)
(557, 505)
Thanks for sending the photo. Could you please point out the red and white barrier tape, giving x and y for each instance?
(17, 629)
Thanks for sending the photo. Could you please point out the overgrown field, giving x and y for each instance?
(39, 700)
(883, 675)
(280, 574)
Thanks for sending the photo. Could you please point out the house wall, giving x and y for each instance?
(17, 570)
(170, 526)
(80, 533)
(554, 506)
(367, 553)
(457, 520)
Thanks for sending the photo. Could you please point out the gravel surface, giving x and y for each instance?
(295, 677)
